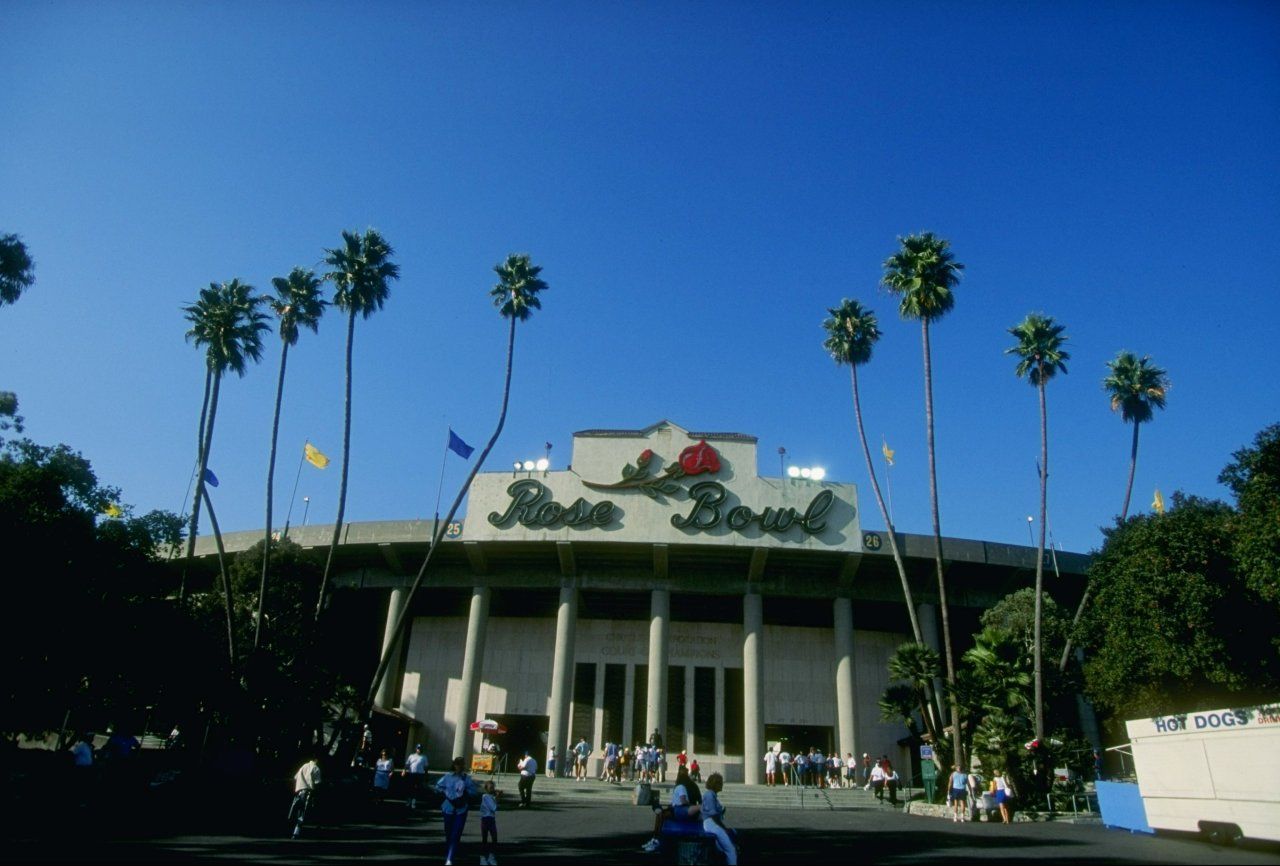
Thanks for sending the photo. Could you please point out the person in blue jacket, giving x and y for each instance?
(457, 789)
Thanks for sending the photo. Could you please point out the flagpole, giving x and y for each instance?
(888, 477)
(444, 458)
(296, 478)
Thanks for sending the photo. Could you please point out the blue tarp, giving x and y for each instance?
(1122, 808)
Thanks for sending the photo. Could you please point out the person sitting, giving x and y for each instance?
(713, 819)
(686, 806)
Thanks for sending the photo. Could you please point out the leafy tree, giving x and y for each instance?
(918, 666)
(1173, 627)
(1040, 353)
(297, 304)
(924, 274)
(100, 584)
(361, 273)
(1254, 478)
(17, 270)
(516, 297)
(852, 332)
(226, 320)
(9, 417)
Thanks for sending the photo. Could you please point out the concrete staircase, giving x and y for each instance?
(735, 795)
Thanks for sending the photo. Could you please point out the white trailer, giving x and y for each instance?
(1215, 772)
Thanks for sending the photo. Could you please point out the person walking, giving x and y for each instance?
(305, 782)
(957, 793)
(382, 777)
(891, 783)
(528, 768)
(457, 789)
(1004, 793)
(415, 767)
(489, 825)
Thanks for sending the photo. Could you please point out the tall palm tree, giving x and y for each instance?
(917, 664)
(362, 269)
(924, 273)
(17, 271)
(516, 297)
(1040, 357)
(298, 303)
(852, 332)
(227, 321)
(1137, 388)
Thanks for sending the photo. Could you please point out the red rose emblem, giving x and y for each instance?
(699, 458)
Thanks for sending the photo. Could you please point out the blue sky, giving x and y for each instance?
(699, 182)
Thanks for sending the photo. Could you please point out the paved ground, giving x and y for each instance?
(556, 832)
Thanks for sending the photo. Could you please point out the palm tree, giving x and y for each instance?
(297, 304)
(227, 321)
(17, 271)
(362, 267)
(1040, 357)
(852, 332)
(1137, 388)
(516, 297)
(924, 273)
(917, 664)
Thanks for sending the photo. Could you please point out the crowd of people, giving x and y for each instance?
(644, 762)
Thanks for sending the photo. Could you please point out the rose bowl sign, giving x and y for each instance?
(664, 494)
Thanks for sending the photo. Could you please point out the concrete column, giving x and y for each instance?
(846, 680)
(690, 697)
(389, 688)
(597, 724)
(562, 676)
(659, 628)
(928, 616)
(472, 667)
(629, 707)
(753, 687)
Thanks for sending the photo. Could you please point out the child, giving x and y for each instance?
(713, 819)
(489, 825)
(695, 772)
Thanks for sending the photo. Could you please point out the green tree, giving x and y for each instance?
(17, 270)
(1040, 353)
(1136, 388)
(924, 274)
(298, 304)
(852, 332)
(516, 297)
(1254, 478)
(1173, 627)
(361, 274)
(226, 320)
(918, 666)
(9, 417)
(101, 580)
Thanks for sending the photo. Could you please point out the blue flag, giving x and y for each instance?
(457, 446)
(210, 478)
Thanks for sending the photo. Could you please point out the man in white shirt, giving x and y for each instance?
(305, 782)
(528, 768)
(415, 767)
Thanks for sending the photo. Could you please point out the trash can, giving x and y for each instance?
(989, 806)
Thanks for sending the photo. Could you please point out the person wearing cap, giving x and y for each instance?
(415, 767)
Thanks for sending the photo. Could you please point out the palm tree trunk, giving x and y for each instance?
(403, 620)
(195, 506)
(1044, 489)
(884, 512)
(937, 545)
(226, 581)
(271, 474)
(346, 460)
(1124, 513)
(1133, 466)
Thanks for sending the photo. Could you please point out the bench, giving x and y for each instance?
(685, 842)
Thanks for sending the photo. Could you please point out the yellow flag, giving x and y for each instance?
(1158, 502)
(314, 457)
(887, 452)
(112, 509)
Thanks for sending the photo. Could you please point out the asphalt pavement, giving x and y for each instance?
(610, 833)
